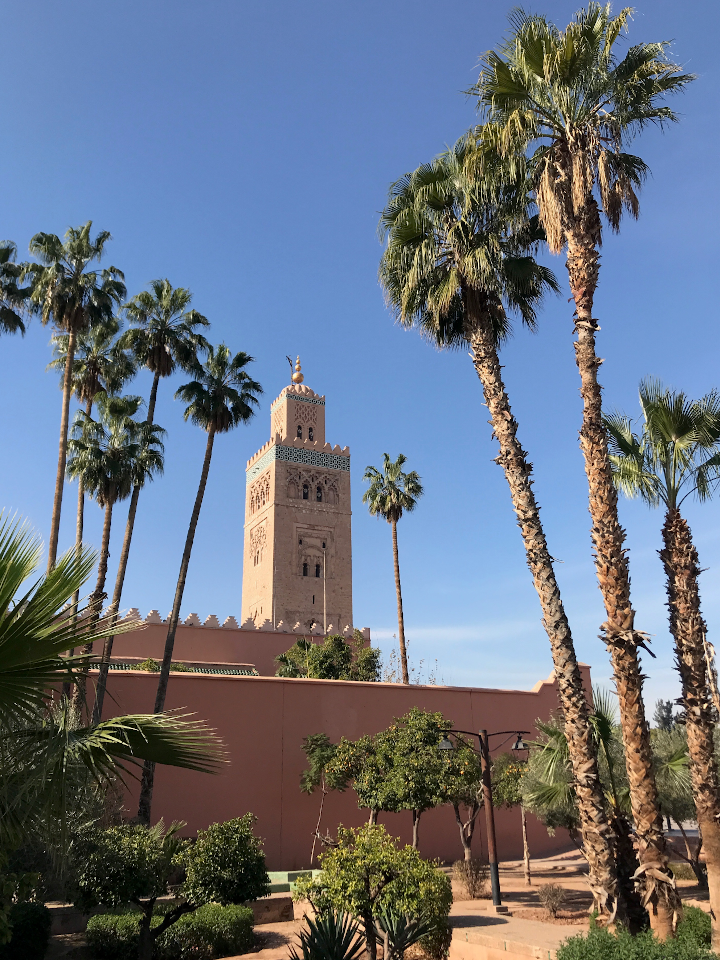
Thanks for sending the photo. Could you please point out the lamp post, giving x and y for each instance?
(483, 738)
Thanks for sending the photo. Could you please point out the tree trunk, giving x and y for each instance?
(687, 626)
(149, 768)
(96, 597)
(526, 848)
(401, 619)
(467, 829)
(597, 836)
(373, 818)
(618, 631)
(370, 935)
(62, 453)
(122, 569)
(416, 829)
(115, 605)
(146, 943)
(323, 793)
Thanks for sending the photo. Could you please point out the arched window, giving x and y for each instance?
(305, 569)
(306, 492)
(318, 494)
(311, 436)
(317, 569)
(299, 431)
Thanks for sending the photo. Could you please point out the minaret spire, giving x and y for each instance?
(297, 377)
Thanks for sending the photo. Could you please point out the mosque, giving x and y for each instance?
(297, 581)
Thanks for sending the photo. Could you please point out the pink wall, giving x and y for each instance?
(263, 720)
(208, 645)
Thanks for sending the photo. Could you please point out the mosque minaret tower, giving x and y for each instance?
(297, 562)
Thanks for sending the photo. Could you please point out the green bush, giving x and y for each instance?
(30, 932)
(226, 864)
(211, 931)
(115, 936)
(369, 859)
(695, 926)
(601, 945)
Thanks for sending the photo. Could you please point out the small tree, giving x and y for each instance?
(334, 659)
(507, 774)
(133, 864)
(319, 752)
(462, 788)
(366, 874)
(663, 716)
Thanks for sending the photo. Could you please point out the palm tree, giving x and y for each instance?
(100, 365)
(147, 463)
(165, 333)
(676, 454)
(41, 751)
(392, 492)
(164, 337)
(454, 265)
(563, 105)
(13, 297)
(221, 396)
(102, 454)
(74, 298)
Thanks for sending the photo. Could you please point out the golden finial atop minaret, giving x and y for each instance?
(297, 377)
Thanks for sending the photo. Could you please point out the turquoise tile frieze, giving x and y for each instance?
(297, 396)
(311, 458)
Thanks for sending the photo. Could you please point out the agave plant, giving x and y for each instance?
(330, 936)
(399, 932)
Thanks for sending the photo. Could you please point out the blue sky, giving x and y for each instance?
(244, 151)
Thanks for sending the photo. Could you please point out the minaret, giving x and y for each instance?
(297, 563)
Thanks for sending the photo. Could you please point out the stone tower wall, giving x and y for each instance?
(297, 500)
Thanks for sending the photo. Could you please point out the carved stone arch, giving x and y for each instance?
(333, 498)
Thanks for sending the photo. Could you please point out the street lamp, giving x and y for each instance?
(483, 738)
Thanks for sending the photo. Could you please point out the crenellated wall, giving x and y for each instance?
(211, 641)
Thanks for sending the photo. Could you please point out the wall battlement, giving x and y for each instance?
(230, 623)
(316, 445)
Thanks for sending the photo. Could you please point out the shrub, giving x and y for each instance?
(227, 864)
(115, 936)
(695, 926)
(552, 897)
(682, 871)
(30, 932)
(366, 874)
(473, 876)
(180, 668)
(599, 944)
(211, 931)
(149, 665)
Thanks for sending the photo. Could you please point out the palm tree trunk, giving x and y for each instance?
(62, 453)
(146, 789)
(687, 626)
(597, 836)
(115, 605)
(526, 846)
(401, 619)
(98, 593)
(619, 632)
(152, 398)
(122, 569)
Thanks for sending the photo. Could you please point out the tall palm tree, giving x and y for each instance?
(73, 298)
(13, 297)
(563, 104)
(221, 396)
(390, 494)
(100, 365)
(457, 259)
(41, 751)
(147, 463)
(103, 453)
(677, 454)
(164, 337)
(164, 334)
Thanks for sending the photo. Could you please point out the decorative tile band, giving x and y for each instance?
(297, 396)
(311, 458)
